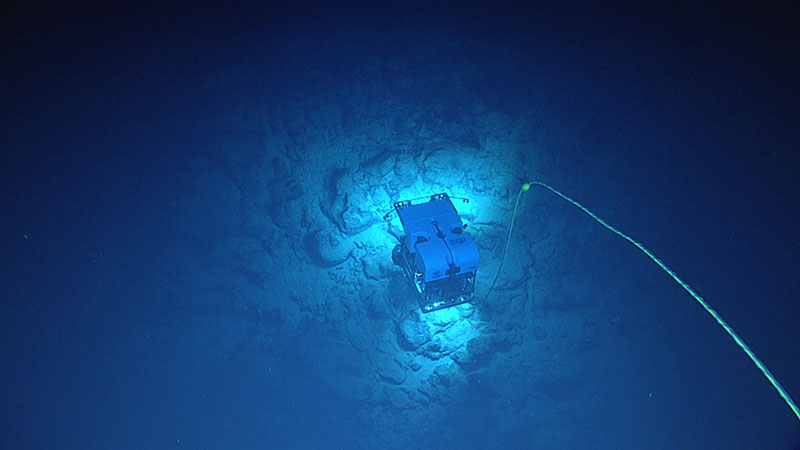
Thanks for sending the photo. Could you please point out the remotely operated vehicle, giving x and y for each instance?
(437, 254)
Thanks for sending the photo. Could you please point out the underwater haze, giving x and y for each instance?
(198, 225)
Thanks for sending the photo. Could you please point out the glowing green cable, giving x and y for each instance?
(784, 395)
(508, 241)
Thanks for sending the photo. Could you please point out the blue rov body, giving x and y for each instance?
(438, 257)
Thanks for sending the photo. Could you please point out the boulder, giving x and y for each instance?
(479, 346)
(412, 333)
(399, 398)
(325, 249)
(391, 371)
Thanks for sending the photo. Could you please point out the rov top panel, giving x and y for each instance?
(438, 209)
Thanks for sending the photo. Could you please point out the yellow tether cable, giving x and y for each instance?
(739, 341)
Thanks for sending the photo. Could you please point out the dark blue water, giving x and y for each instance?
(194, 254)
